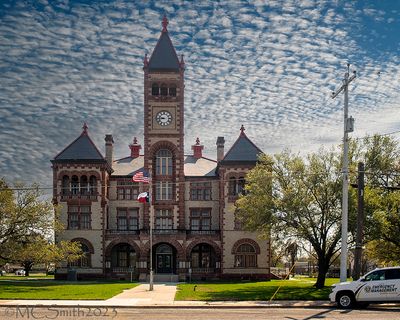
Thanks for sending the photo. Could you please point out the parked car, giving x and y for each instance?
(20, 272)
(381, 285)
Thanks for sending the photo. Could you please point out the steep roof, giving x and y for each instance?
(243, 150)
(82, 148)
(164, 55)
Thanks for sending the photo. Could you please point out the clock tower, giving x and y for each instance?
(164, 131)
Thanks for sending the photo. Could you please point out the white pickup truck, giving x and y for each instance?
(378, 286)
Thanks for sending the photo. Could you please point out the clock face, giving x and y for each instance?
(164, 118)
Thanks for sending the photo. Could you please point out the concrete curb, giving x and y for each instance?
(177, 304)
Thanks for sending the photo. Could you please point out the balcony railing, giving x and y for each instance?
(203, 270)
(117, 231)
(122, 269)
(202, 232)
(79, 196)
(166, 231)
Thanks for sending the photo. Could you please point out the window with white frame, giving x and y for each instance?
(127, 219)
(200, 190)
(164, 219)
(200, 219)
(245, 256)
(164, 190)
(79, 217)
(163, 162)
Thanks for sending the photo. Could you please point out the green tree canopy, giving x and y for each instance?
(27, 222)
(297, 197)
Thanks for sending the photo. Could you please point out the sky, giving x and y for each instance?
(269, 65)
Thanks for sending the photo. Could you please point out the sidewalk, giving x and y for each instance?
(162, 297)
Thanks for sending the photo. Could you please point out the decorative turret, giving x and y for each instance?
(197, 149)
(135, 148)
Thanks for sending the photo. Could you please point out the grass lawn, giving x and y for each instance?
(294, 289)
(48, 289)
(10, 276)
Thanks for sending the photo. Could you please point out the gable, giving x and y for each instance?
(243, 150)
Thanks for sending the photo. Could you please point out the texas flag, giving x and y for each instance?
(143, 197)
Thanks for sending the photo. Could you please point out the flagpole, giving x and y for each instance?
(151, 238)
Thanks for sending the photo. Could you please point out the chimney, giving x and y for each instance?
(220, 148)
(135, 148)
(109, 148)
(197, 149)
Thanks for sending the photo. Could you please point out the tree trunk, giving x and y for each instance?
(322, 271)
(27, 268)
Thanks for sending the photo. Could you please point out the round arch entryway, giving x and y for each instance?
(164, 258)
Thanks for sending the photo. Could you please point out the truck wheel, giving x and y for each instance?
(345, 300)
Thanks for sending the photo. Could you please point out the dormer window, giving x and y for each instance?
(164, 90)
(155, 90)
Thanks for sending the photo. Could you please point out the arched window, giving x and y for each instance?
(240, 185)
(163, 162)
(65, 186)
(155, 90)
(123, 255)
(164, 90)
(232, 186)
(84, 185)
(93, 185)
(75, 185)
(202, 256)
(245, 256)
(172, 91)
(85, 260)
(164, 249)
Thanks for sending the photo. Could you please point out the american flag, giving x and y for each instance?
(141, 176)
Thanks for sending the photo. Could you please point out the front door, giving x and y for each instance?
(164, 259)
(164, 263)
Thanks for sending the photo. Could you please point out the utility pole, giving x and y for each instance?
(348, 127)
(360, 222)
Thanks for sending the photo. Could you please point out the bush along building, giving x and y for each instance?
(195, 233)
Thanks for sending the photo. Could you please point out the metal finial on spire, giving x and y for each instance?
(182, 62)
(197, 141)
(134, 140)
(145, 61)
(242, 129)
(164, 23)
(85, 127)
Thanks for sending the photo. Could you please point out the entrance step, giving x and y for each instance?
(164, 278)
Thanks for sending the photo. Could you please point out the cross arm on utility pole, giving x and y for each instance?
(336, 93)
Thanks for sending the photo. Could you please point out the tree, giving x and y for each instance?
(40, 251)
(381, 156)
(301, 198)
(26, 223)
(23, 214)
(384, 244)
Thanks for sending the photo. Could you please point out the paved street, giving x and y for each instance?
(61, 313)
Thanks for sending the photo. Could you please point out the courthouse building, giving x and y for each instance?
(195, 233)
